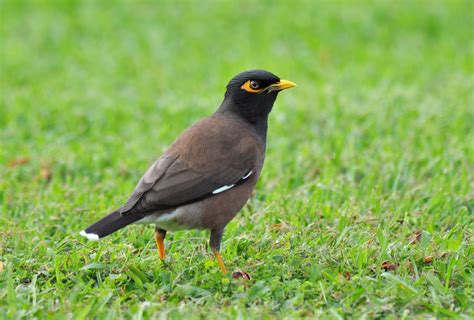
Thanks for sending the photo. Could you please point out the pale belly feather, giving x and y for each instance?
(186, 217)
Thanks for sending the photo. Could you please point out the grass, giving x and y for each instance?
(365, 205)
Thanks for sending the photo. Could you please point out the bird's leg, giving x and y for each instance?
(215, 243)
(160, 241)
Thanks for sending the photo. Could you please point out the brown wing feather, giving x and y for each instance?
(151, 176)
(183, 187)
(211, 154)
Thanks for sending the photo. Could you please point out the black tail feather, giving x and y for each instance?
(108, 224)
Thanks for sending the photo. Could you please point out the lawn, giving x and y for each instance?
(365, 204)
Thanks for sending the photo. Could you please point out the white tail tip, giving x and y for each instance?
(90, 236)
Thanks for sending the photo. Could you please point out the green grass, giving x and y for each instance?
(375, 145)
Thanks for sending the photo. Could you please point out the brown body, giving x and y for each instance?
(230, 143)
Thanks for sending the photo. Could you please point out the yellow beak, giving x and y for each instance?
(282, 85)
(286, 84)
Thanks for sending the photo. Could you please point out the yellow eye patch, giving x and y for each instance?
(246, 87)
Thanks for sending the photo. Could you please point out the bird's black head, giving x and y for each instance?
(251, 94)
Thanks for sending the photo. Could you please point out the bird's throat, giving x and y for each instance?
(258, 121)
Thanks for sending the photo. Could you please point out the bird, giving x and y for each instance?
(209, 172)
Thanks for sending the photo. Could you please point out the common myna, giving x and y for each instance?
(209, 172)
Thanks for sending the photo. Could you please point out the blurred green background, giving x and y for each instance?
(369, 168)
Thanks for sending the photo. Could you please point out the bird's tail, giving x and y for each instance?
(108, 225)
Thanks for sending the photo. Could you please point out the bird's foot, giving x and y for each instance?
(160, 242)
(219, 261)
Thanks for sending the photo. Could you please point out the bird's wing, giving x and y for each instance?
(181, 185)
(201, 165)
(149, 179)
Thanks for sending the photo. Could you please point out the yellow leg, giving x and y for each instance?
(160, 244)
(219, 261)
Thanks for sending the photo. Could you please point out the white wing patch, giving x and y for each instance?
(247, 175)
(222, 189)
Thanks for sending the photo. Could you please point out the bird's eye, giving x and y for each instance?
(254, 84)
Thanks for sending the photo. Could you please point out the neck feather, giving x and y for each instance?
(258, 122)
